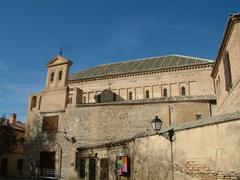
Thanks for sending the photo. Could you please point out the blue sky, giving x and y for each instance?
(97, 32)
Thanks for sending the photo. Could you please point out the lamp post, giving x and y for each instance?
(156, 125)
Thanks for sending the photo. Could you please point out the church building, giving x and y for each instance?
(80, 126)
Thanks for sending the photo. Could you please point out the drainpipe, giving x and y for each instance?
(170, 115)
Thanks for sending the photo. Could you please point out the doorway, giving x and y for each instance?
(92, 169)
(3, 169)
(104, 168)
(47, 163)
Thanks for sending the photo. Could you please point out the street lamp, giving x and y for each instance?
(71, 139)
(156, 125)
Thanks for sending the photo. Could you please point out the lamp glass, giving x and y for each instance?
(156, 124)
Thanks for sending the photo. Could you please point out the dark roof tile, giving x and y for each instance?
(139, 65)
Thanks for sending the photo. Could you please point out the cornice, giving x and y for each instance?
(132, 74)
(173, 99)
(68, 63)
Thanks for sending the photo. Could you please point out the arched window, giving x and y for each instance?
(164, 92)
(52, 77)
(130, 95)
(33, 102)
(183, 91)
(147, 94)
(60, 75)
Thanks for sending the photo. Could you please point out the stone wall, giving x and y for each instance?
(92, 123)
(99, 123)
(204, 152)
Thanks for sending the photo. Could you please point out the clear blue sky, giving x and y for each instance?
(97, 32)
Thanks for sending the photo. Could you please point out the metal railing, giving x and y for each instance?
(49, 173)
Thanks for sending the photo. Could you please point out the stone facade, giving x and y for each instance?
(228, 99)
(82, 123)
(211, 152)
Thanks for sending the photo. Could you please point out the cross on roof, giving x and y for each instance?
(60, 51)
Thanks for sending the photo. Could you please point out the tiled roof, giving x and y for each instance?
(139, 65)
(18, 126)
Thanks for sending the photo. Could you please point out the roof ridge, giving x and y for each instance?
(193, 57)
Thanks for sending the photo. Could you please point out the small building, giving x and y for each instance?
(11, 163)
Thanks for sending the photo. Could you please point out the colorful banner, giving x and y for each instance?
(122, 165)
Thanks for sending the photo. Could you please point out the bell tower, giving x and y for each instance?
(57, 73)
(55, 94)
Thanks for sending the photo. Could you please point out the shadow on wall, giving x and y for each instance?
(36, 142)
(107, 96)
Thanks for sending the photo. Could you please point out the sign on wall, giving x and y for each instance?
(123, 165)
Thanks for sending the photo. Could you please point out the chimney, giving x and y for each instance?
(13, 118)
